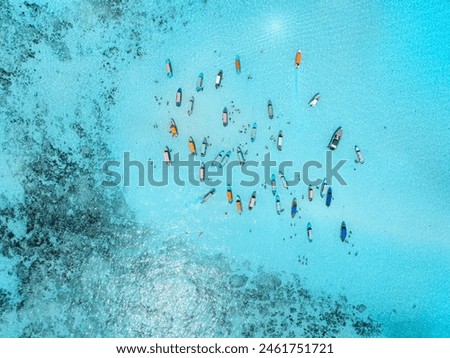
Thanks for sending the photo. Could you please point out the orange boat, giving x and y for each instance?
(229, 194)
(173, 128)
(237, 64)
(298, 58)
(238, 204)
(192, 146)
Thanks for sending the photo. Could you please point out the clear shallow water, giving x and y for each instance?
(78, 88)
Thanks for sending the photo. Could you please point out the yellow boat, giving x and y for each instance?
(192, 146)
(173, 128)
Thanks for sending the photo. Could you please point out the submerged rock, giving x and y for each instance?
(238, 280)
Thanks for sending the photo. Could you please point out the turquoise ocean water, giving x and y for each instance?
(82, 82)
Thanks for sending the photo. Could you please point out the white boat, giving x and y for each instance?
(204, 146)
(314, 100)
(310, 193)
(280, 140)
(224, 160)
(191, 105)
(359, 156)
(252, 201)
(270, 109)
(208, 195)
(240, 156)
(219, 79)
(323, 188)
(335, 139)
(283, 180)
(278, 205)
(309, 232)
(218, 159)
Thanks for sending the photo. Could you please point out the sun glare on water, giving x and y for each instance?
(275, 27)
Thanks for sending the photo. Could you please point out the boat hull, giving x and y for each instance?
(191, 106)
(280, 141)
(343, 231)
(225, 117)
(240, 156)
(294, 208)
(192, 147)
(169, 69)
(199, 86)
(270, 109)
(335, 139)
(237, 65)
(329, 197)
(298, 59)
(167, 158)
(204, 147)
(219, 79)
(314, 100)
(179, 97)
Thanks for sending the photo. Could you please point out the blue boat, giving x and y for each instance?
(178, 98)
(343, 231)
(199, 86)
(294, 207)
(329, 196)
(169, 68)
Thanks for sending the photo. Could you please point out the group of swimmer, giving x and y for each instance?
(222, 158)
